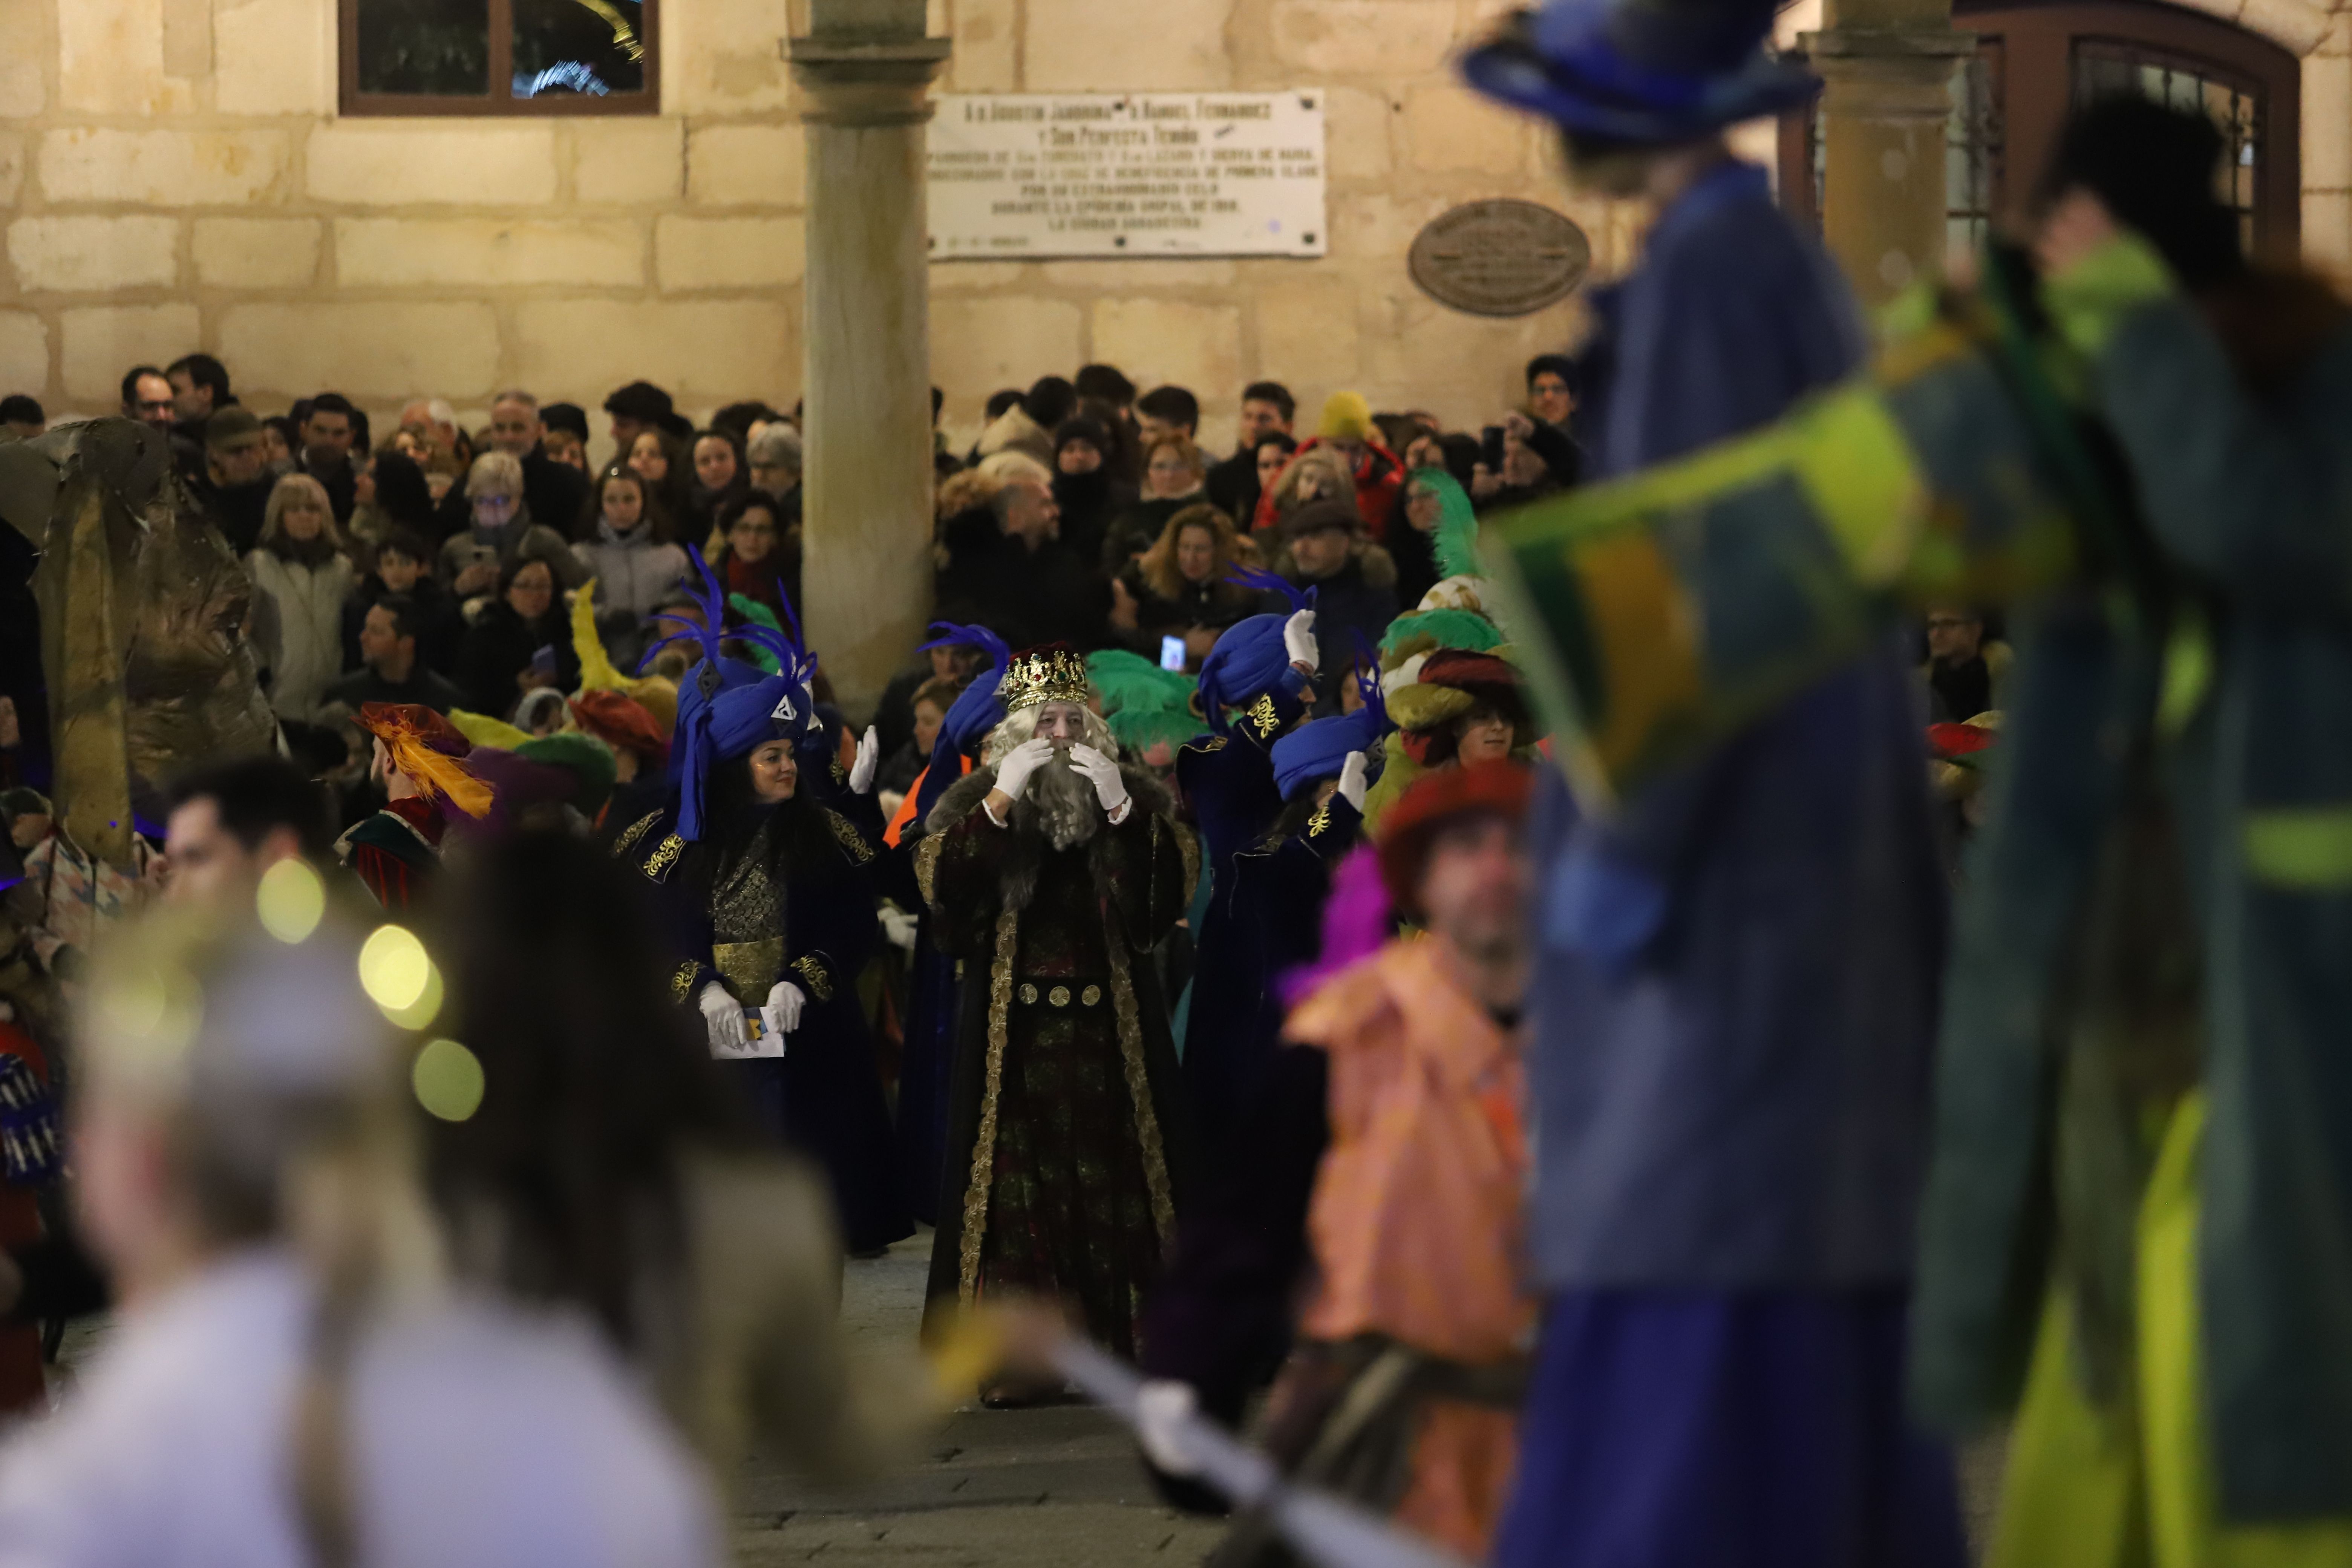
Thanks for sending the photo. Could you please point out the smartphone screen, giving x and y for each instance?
(1171, 654)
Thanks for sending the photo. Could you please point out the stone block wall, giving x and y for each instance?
(175, 177)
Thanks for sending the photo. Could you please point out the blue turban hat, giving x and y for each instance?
(1318, 749)
(976, 711)
(1249, 659)
(726, 707)
(1653, 72)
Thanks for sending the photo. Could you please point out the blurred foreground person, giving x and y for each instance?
(1058, 868)
(2141, 1201)
(1736, 1008)
(293, 1384)
(1403, 1391)
(612, 1168)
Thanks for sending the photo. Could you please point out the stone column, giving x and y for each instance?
(1888, 65)
(865, 68)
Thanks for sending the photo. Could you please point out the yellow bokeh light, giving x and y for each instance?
(291, 900)
(448, 1081)
(399, 978)
(420, 1014)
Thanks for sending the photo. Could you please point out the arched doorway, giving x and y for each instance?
(2034, 62)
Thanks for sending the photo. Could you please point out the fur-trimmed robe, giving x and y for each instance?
(1068, 1140)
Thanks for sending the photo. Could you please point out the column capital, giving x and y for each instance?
(867, 80)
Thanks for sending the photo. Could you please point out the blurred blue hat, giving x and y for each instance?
(1318, 749)
(727, 708)
(1648, 71)
(1249, 659)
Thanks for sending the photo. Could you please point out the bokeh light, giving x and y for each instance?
(399, 977)
(448, 1081)
(291, 900)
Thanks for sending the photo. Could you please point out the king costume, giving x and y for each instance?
(1068, 1138)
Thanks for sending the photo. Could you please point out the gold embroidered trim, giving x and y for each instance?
(926, 863)
(665, 855)
(683, 981)
(820, 984)
(1138, 1090)
(851, 839)
(1320, 821)
(636, 830)
(1216, 744)
(1262, 717)
(983, 1145)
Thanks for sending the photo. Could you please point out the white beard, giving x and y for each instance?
(1061, 802)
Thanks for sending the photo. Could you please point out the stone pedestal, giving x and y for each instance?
(865, 68)
(1888, 65)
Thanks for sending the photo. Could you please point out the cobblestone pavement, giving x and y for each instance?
(1058, 1485)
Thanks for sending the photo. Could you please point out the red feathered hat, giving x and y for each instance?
(622, 723)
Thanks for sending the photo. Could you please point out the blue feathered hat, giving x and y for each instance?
(726, 707)
(1249, 659)
(1318, 749)
(1653, 72)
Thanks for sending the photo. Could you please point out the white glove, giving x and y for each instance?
(1298, 639)
(1102, 772)
(1351, 779)
(1162, 1407)
(786, 1000)
(869, 757)
(1013, 772)
(722, 1016)
(898, 927)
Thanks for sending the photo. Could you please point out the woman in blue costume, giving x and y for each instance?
(771, 898)
(1256, 684)
(1265, 911)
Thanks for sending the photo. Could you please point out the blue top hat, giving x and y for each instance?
(1653, 72)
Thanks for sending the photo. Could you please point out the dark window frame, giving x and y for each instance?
(501, 102)
(2036, 39)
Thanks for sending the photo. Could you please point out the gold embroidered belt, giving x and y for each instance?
(751, 967)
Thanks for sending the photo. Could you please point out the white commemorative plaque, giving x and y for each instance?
(1138, 174)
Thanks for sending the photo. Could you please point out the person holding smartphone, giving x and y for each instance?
(1172, 602)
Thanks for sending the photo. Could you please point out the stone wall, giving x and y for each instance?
(177, 178)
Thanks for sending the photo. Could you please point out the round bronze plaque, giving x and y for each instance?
(1500, 257)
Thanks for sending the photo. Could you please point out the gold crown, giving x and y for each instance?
(1048, 675)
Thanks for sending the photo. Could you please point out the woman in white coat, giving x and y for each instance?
(301, 570)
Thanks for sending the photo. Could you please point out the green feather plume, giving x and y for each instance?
(1456, 544)
(1131, 683)
(1424, 630)
(750, 609)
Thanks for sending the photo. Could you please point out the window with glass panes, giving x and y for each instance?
(499, 57)
(2034, 64)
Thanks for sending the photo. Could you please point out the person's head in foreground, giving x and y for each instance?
(230, 822)
(292, 1380)
(1453, 856)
